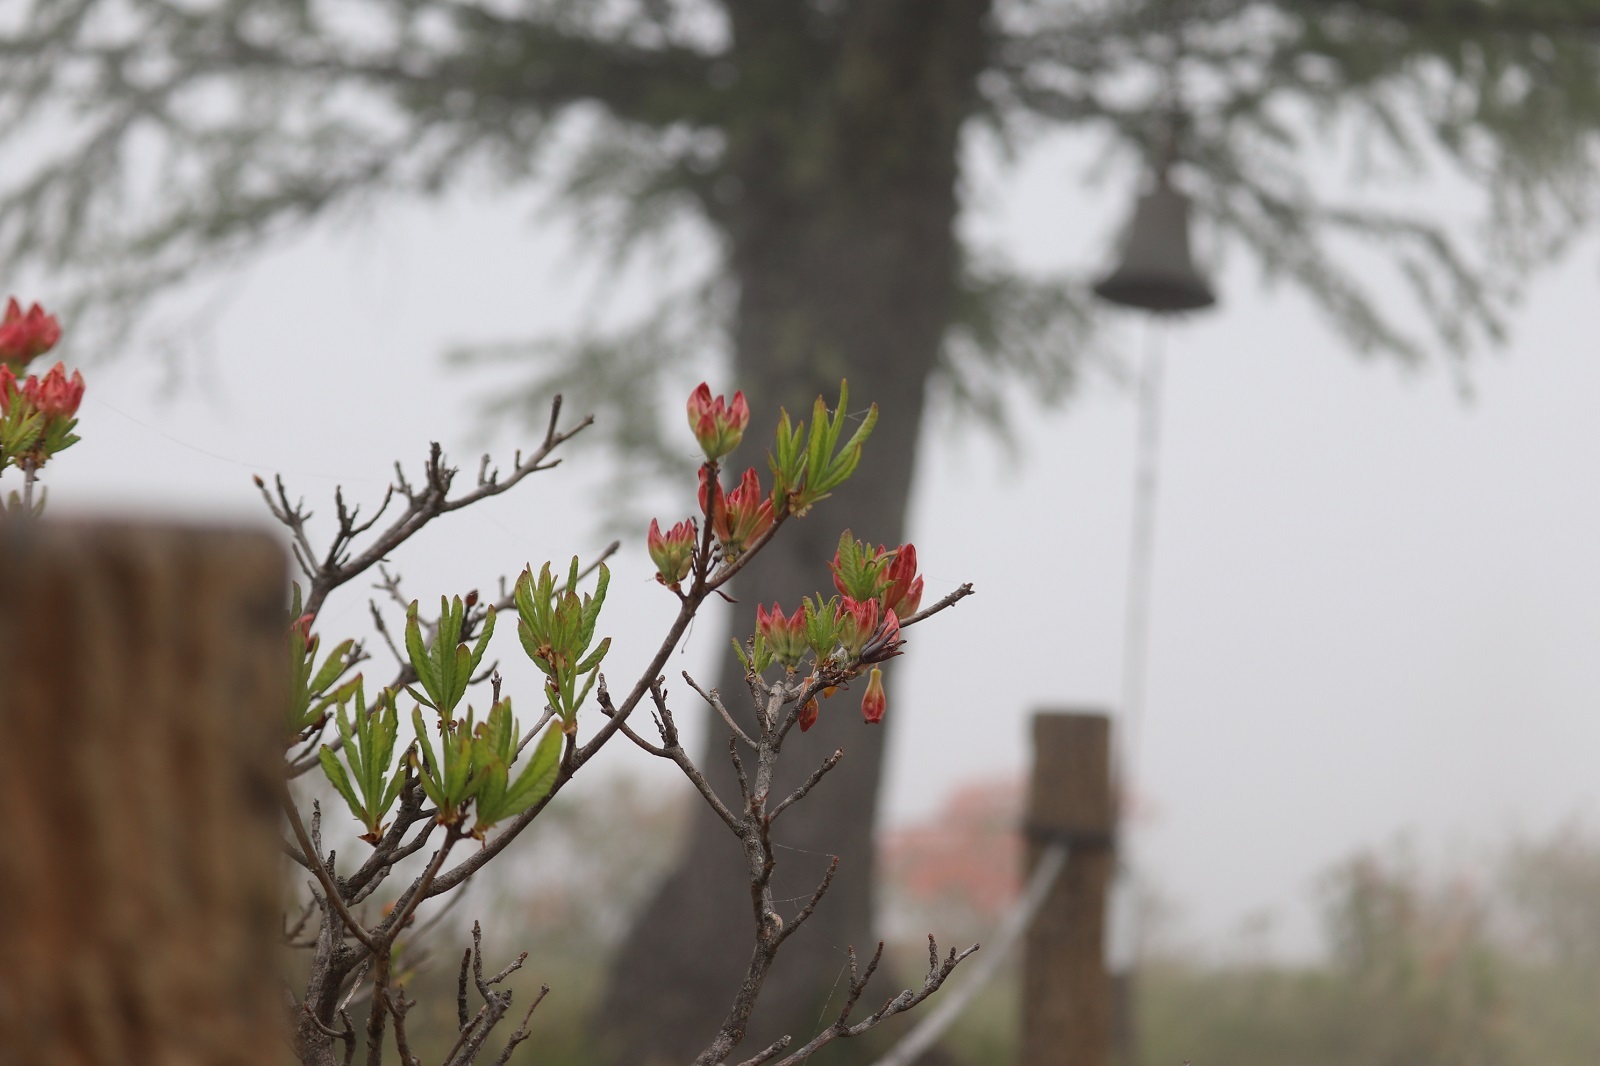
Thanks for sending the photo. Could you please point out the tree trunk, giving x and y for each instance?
(841, 237)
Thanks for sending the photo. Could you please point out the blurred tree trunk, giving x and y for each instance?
(840, 232)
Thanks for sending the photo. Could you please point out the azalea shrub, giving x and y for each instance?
(422, 773)
(37, 414)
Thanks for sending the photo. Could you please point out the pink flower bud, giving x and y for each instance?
(24, 337)
(8, 388)
(904, 594)
(717, 424)
(785, 637)
(874, 703)
(739, 517)
(672, 552)
(858, 620)
(302, 625)
(55, 395)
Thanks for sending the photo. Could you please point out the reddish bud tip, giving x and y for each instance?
(874, 703)
(26, 336)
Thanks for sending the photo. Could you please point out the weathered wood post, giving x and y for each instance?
(1066, 991)
(142, 686)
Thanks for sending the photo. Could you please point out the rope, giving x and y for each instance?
(1052, 860)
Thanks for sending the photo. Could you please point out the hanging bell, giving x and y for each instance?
(1157, 272)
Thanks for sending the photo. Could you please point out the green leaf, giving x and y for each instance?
(483, 642)
(593, 660)
(420, 661)
(539, 776)
(428, 767)
(341, 783)
(332, 667)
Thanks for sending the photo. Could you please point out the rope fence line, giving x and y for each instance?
(934, 1024)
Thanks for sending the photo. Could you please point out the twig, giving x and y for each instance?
(933, 1025)
(461, 989)
(949, 601)
(522, 1030)
(811, 905)
(386, 932)
(811, 782)
(714, 698)
(398, 1006)
(330, 890)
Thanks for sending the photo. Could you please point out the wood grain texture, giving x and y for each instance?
(1066, 991)
(142, 685)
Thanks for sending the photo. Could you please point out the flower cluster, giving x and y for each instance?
(850, 632)
(37, 413)
(845, 635)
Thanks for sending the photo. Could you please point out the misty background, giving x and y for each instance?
(1376, 587)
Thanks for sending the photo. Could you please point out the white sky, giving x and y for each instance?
(1375, 603)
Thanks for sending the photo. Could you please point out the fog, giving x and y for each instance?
(1375, 590)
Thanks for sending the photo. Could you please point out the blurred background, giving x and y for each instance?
(1359, 799)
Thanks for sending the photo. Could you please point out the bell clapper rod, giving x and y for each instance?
(1142, 539)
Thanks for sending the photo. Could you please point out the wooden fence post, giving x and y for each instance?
(1066, 991)
(142, 688)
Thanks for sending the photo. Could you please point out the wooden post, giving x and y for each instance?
(142, 688)
(1066, 992)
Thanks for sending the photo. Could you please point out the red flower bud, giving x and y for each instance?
(904, 594)
(858, 620)
(673, 552)
(808, 714)
(302, 625)
(55, 395)
(717, 424)
(24, 337)
(8, 388)
(785, 637)
(874, 703)
(739, 517)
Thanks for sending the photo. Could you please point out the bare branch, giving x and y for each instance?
(798, 794)
(522, 1030)
(330, 890)
(949, 601)
(811, 905)
(714, 698)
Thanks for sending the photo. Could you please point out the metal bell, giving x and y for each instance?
(1157, 272)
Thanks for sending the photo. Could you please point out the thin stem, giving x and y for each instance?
(322, 875)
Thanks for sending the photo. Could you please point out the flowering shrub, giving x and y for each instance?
(461, 776)
(37, 414)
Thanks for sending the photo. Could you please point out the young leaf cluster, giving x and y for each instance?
(861, 571)
(499, 796)
(473, 766)
(807, 467)
(311, 690)
(557, 630)
(445, 666)
(368, 750)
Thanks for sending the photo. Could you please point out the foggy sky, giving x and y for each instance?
(1375, 601)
